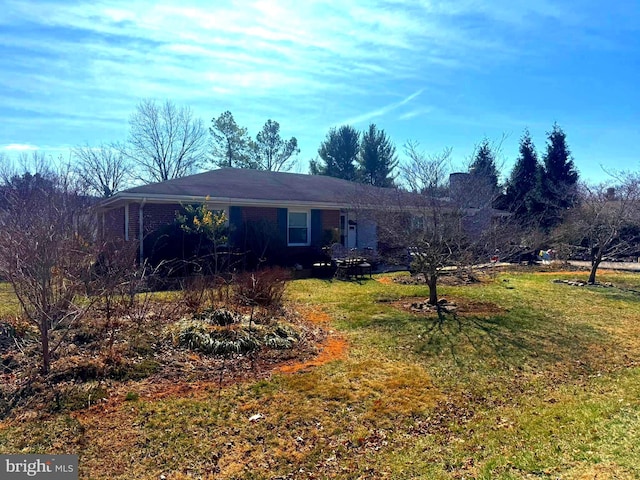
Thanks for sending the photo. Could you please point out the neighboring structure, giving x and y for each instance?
(307, 211)
(475, 198)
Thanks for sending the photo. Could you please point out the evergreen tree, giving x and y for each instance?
(232, 145)
(561, 176)
(484, 165)
(558, 186)
(377, 158)
(522, 184)
(483, 176)
(271, 151)
(338, 152)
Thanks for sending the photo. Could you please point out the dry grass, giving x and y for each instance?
(540, 380)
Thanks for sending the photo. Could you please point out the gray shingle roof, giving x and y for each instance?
(247, 184)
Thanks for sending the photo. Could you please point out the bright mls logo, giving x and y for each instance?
(49, 467)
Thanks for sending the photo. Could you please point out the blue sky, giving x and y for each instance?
(442, 73)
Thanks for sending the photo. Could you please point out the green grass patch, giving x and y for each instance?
(533, 379)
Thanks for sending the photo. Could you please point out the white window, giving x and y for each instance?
(298, 228)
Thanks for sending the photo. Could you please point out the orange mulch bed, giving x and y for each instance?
(334, 347)
(385, 280)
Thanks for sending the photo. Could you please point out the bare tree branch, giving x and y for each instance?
(165, 141)
(104, 169)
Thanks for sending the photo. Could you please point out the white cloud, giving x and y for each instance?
(17, 147)
(85, 65)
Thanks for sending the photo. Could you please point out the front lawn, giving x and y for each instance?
(525, 379)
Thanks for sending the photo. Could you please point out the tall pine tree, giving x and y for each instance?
(558, 189)
(231, 145)
(377, 158)
(338, 154)
(271, 151)
(521, 186)
(483, 176)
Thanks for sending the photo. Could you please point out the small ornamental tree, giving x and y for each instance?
(605, 222)
(420, 224)
(210, 228)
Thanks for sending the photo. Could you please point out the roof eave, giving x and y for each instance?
(119, 198)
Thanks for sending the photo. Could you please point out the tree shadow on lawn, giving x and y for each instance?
(621, 295)
(520, 338)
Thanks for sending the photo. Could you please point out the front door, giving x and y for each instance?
(348, 231)
(352, 236)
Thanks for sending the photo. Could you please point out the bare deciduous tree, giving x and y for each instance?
(104, 169)
(422, 224)
(45, 254)
(422, 172)
(6, 168)
(606, 221)
(165, 141)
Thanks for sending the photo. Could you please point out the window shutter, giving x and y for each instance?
(235, 224)
(282, 224)
(316, 228)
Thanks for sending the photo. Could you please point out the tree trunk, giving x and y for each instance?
(595, 263)
(433, 291)
(44, 340)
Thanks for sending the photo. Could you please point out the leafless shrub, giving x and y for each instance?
(263, 288)
(46, 254)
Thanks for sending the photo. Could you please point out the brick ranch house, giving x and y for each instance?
(307, 211)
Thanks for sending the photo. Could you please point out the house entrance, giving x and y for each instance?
(348, 231)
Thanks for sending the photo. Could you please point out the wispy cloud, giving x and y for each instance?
(83, 66)
(416, 113)
(379, 112)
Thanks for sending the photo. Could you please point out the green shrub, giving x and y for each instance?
(227, 341)
(282, 337)
(77, 397)
(209, 339)
(218, 316)
(133, 371)
(192, 334)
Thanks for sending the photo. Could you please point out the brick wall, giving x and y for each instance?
(134, 224)
(157, 215)
(252, 214)
(113, 226)
(330, 219)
